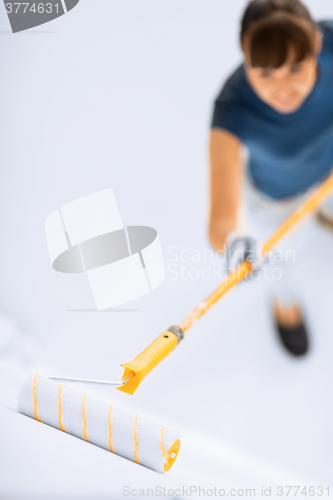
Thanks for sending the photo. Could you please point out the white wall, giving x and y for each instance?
(119, 94)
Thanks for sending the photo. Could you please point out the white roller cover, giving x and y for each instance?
(131, 436)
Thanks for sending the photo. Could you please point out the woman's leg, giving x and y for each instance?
(263, 216)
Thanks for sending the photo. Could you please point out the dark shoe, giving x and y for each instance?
(295, 339)
(290, 326)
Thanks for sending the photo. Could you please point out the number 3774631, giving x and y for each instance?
(28, 7)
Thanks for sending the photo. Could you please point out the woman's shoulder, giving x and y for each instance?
(326, 27)
(232, 104)
(234, 87)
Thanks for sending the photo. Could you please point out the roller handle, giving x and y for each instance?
(137, 369)
(165, 343)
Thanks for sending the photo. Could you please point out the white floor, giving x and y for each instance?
(251, 415)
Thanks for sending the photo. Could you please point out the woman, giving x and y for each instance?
(278, 105)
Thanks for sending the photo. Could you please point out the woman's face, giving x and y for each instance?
(284, 88)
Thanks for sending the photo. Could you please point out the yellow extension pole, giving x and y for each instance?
(137, 369)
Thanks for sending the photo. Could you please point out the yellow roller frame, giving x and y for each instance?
(136, 370)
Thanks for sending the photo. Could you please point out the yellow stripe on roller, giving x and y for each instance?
(112, 448)
(165, 454)
(84, 417)
(135, 439)
(61, 424)
(34, 397)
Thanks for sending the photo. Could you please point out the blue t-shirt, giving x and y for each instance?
(288, 152)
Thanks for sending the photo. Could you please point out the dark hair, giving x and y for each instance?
(275, 28)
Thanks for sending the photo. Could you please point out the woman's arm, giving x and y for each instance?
(226, 169)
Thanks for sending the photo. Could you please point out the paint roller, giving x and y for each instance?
(114, 429)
